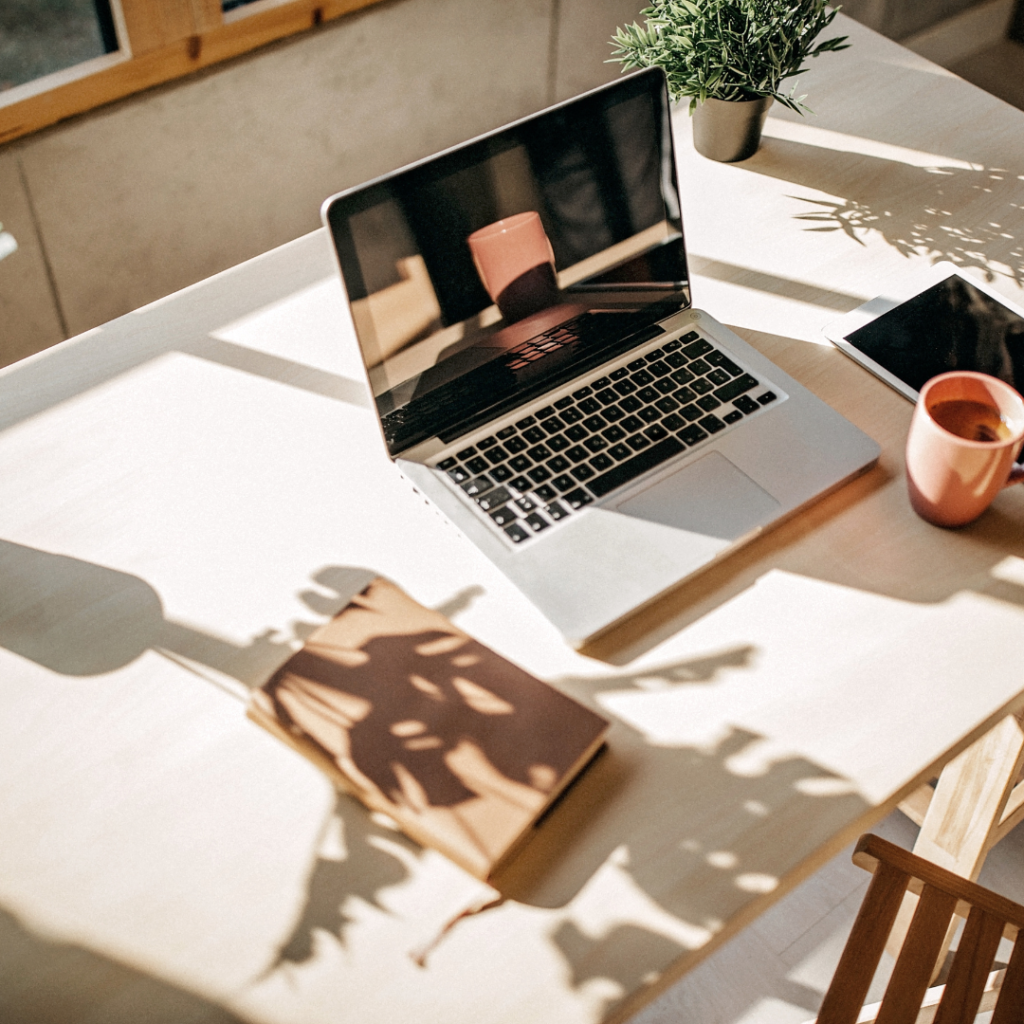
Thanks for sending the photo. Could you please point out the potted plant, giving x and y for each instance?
(730, 58)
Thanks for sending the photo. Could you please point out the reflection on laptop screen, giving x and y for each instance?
(577, 246)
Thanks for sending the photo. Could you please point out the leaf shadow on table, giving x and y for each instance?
(944, 212)
(701, 846)
(45, 981)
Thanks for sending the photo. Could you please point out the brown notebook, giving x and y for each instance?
(464, 750)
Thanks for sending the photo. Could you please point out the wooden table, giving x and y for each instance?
(185, 491)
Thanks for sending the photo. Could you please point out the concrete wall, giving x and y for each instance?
(124, 205)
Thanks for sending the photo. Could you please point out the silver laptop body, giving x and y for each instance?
(598, 438)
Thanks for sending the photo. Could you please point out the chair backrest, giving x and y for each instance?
(990, 917)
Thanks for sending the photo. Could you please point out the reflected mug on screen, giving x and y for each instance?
(516, 264)
(965, 437)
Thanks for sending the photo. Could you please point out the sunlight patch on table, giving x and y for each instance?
(826, 138)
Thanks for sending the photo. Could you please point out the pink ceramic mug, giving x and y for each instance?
(516, 264)
(964, 439)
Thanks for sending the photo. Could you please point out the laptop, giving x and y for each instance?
(598, 438)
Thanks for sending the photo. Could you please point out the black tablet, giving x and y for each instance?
(954, 323)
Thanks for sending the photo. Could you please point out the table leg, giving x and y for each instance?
(968, 813)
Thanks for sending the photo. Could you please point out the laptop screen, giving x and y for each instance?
(486, 275)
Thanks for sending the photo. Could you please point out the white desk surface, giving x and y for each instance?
(182, 491)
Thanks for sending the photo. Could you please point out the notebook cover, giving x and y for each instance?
(463, 749)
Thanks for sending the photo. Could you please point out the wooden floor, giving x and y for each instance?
(777, 971)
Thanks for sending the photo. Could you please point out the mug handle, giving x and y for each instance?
(1016, 474)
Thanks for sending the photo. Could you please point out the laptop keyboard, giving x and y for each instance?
(530, 475)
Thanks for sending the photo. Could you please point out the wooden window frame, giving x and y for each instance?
(159, 40)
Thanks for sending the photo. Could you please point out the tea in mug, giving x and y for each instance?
(974, 421)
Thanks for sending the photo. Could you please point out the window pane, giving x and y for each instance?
(38, 37)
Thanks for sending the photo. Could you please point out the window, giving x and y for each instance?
(39, 37)
(62, 57)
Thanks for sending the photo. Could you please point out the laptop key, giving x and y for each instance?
(521, 463)
(673, 421)
(493, 498)
(637, 442)
(536, 522)
(496, 455)
(466, 453)
(682, 376)
(526, 421)
(505, 433)
(768, 396)
(712, 424)
(534, 435)
(613, 434)
(613, 414)
(656, 432)
(564, 402)
(539, 474)
(622, 371)
(631, 404)
(607, 397)
(563, 483)
(501, 474)
(477, 465)
(736, 387)
(503, 516)
(577, 453)
(577, 432)
(708, 403)
(672, 346)
(602, 462)
(525, 504)
(733, 417)
(702, 387)
(675, 359)
(557, 511)
(666, 404)
(648, 395)
(487, 442)
(546, 492)
(690, 412)
(578, 498)
(459, 474)
(515, 444)
(620, 452)
(552, 424)
(601, 382)
(447, 464)
(477, 486)
(517, 533)
(594, 423)
(572, 415)
(746, 404)
(720, 359)
(718, 376)
(625, 387)
(541, 452)
(666, 385)
(596, 443)
(559, 464)
(520, 484)
(634, 467)
(659, 368)
(582, 393)
(558, 443)
(699, 367)
(696, 348)
(589, 406)
(650, 413)
(641, 378)
(692, 434)
(543, 414)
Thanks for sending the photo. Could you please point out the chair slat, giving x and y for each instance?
(1010, 1005)
(852, 978)
(971, 966)
(913, 970)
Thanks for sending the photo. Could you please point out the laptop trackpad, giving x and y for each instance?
(710, 497)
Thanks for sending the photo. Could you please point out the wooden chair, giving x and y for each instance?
(972, 984)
